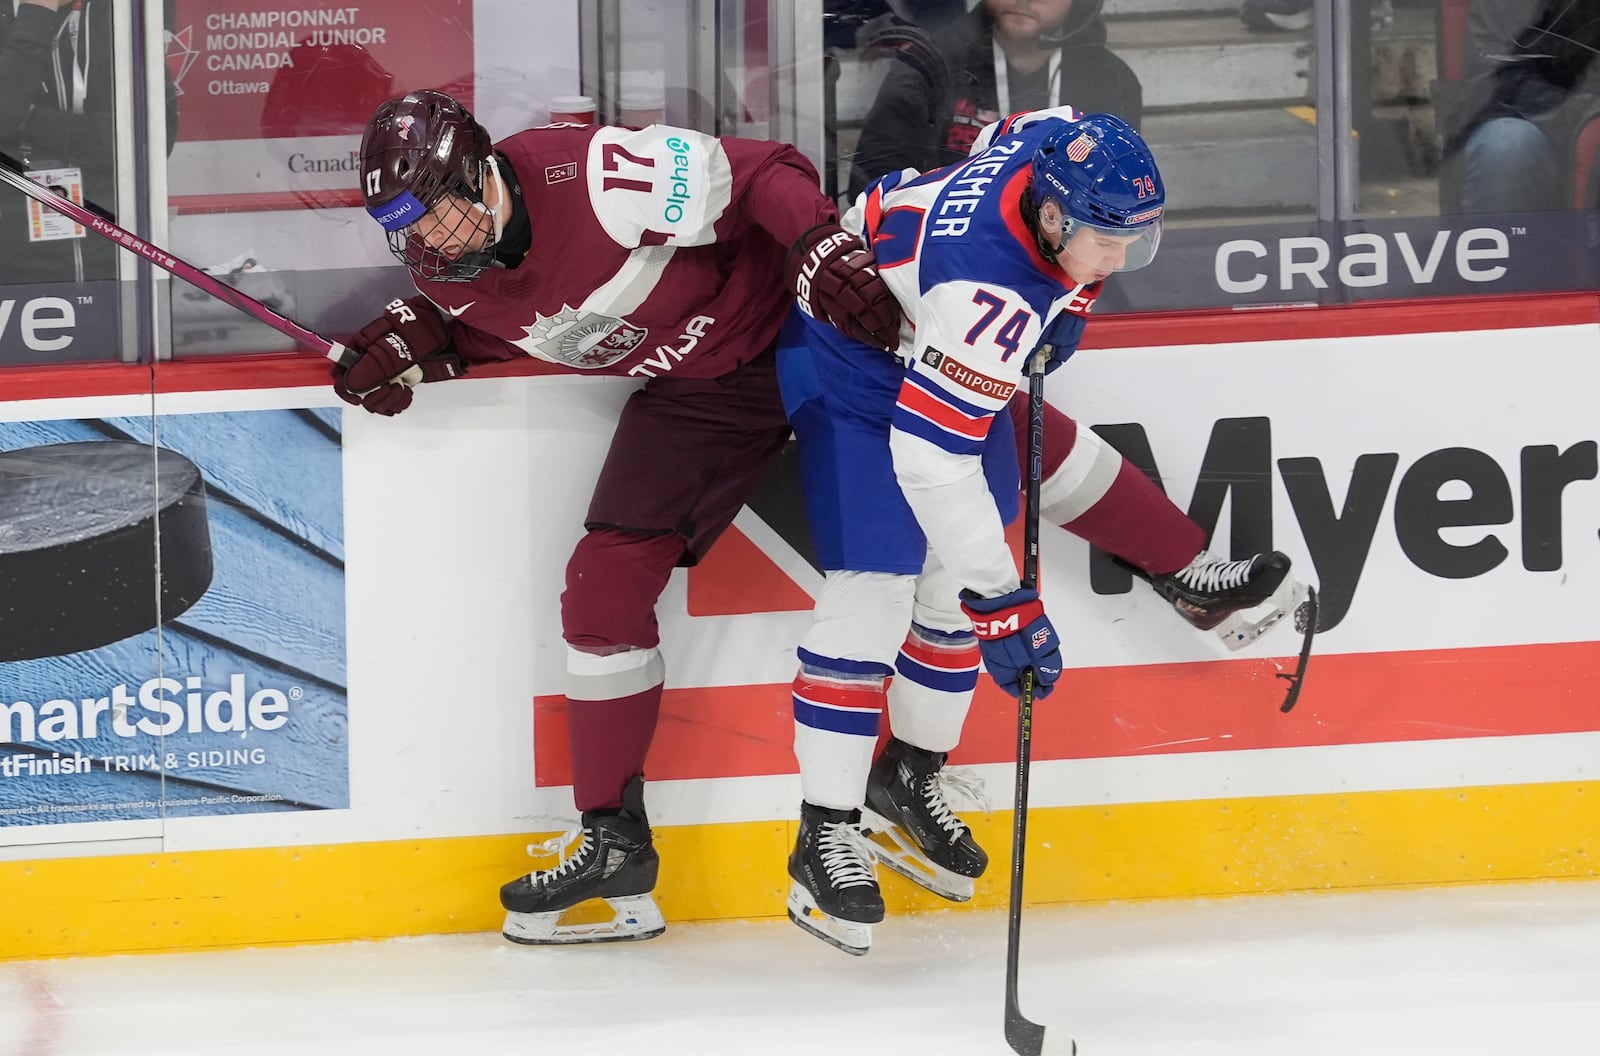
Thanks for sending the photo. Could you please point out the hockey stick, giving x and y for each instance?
(94, 220)
(1024, 1036)
(1305, 621)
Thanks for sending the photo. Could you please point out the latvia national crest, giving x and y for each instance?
(585, 340)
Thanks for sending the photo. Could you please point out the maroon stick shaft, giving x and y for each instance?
(182, 269)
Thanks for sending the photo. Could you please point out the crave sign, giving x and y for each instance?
(273, 94)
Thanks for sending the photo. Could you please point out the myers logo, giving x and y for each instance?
(1454, 512)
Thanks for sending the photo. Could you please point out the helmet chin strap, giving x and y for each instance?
(497, 214)
(1051, 251)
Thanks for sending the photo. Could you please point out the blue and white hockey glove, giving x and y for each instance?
(1014, 634)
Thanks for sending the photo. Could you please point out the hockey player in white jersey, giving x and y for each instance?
(911, 474)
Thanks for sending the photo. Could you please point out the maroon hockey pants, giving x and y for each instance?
(1133, 520)
(686, 455)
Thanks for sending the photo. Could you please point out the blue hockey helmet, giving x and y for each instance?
(1104, 182)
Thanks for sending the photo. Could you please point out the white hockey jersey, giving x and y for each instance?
(979, 298)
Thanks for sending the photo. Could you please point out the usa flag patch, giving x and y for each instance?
(1079, 148)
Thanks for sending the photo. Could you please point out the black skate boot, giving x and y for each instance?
(906, 805)
(1207, 591)
(614, 861)
(834, 895)
(1239, 601)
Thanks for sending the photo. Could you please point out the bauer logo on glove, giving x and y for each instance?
(407, 345)
(399, 345)
(835, 281)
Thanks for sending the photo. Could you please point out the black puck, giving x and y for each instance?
(79, 529)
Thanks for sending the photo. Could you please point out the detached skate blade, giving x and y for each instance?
(907, 859)
(631, 918)
(1245, 626)
(847, 935)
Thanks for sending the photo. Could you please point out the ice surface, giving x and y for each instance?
(1509, 969)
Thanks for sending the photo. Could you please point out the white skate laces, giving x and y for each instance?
(1208, 574)
(555, 848)
(939, 786)
(845, 854)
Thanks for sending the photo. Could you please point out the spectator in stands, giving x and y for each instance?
(1529, 86)
(1003, 57)
(57, 111)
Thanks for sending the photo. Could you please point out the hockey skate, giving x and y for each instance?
(614, 861)
(1239, 601)
(834, 894)
(913, 830)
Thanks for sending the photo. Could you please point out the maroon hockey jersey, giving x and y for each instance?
(654, 252)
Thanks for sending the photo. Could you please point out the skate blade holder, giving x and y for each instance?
(847, 935)
(893, 848)
(1245, 626)
(621, 919)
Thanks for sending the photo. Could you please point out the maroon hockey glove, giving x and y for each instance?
(835, 280)
(404, 347)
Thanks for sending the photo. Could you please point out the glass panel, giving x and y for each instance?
(1225, 107)
(1480, 128)
(273, 97)
(58, 294)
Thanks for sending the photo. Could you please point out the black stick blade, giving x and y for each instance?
(1028, 1038)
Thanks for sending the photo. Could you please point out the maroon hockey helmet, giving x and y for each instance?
(416, 150)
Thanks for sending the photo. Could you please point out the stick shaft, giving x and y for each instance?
(11, 174)
(1025, 1036)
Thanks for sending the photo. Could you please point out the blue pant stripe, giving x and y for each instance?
(852, 721)
(943, 680)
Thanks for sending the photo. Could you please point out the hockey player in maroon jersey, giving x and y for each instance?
(663, 254)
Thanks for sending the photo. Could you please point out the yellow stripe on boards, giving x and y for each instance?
(210, 899)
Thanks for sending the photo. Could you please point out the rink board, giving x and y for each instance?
(254, 897)
(1446, 734)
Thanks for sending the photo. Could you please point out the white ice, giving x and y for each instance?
(1512, 970)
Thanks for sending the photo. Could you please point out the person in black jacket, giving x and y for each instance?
(57, 112)
(1004, 57)
(1529, 87)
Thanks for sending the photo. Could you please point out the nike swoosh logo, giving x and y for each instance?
(457, 311)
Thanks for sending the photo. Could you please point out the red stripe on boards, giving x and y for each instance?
(1162, 709)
